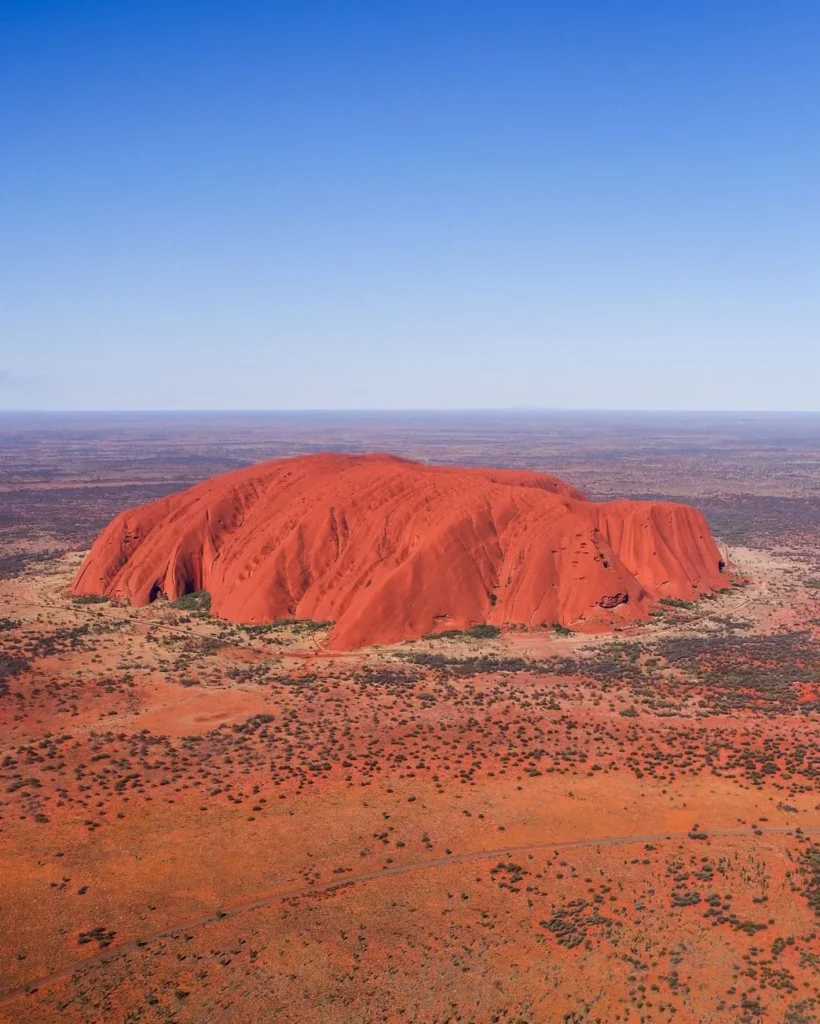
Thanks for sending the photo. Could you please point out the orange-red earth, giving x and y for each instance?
(390, 549)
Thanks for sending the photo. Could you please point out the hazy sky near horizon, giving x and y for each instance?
(421, 204)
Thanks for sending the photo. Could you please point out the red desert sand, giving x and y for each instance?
(390, 549)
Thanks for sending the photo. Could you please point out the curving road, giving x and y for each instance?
(457, 858)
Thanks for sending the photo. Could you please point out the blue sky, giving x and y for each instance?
(409, 205)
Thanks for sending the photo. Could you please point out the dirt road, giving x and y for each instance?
(502, 853)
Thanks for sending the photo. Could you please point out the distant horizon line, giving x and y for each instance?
(513, 409)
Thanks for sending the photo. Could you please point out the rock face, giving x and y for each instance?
(391, 549)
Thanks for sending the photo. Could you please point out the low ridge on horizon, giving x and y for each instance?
(389, 549)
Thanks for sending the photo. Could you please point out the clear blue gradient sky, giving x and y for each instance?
(305, 205)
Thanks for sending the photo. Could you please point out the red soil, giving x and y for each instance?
(391, 549)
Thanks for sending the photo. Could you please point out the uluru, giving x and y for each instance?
(389, 549)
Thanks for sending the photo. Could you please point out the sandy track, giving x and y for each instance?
(505, 852)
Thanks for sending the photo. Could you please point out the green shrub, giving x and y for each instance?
(297, 625)
(561, 630)
(198, 601)
(311, 625)
(483, 631)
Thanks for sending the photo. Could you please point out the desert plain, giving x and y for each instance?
(207, 821)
